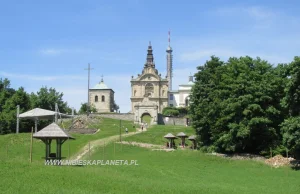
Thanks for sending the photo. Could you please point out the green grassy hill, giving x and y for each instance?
(181, 171)
(17, 146)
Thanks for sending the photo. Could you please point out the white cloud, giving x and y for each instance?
(60, 51)
(204, 54)
(52, 52)
(41, 78)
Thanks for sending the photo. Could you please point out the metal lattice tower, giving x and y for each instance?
(169, 64)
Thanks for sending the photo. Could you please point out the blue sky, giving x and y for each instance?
(49, 43)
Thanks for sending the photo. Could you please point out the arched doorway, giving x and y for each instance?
(146, 118)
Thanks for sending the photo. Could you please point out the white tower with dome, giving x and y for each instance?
(102, 97)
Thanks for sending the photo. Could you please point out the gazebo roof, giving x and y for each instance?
(170, 136)
(52, 131)
(41, 114)
(192, 137)
(181, 134)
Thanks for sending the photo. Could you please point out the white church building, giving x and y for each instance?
(181, 97)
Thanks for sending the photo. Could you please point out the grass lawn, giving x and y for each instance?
(181, 171)
(17, 146)
(156, 134)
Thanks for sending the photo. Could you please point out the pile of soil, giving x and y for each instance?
(82, 122)
(279, 160)
(84, 125)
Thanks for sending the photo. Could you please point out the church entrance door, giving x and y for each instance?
(146, 118)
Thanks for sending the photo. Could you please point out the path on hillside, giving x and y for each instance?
(100, 142)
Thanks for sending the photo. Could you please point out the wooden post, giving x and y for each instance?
(18, 118)
(89, 149)
(120, 130)
(7, 150)
(271, 152)
(31, 141)
(103, 150)
(287, 153)
(69, 149)
(114, 149)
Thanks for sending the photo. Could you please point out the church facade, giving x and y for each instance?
(149, 91)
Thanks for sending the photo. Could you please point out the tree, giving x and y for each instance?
(291, 135)
(290, 127)
(46, 99)
(170, 111)
(8, 117)
(83, 109)
(235, 106)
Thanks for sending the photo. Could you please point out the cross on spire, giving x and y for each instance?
(101, 78)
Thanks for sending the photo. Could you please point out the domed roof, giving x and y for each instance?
(190, 83)
(100, 86)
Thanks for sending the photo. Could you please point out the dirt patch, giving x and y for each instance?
(143, 145)
(240, 156)
(279, 160)
(90, 147)
(84, 131)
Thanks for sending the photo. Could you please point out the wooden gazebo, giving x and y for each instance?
(192, 138)
(171, 138)
(49, 133)
(182, 136)
(40, 114)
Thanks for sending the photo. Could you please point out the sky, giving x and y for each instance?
(50, 43)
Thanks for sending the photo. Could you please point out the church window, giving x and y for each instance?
(102, 98)
(134, 93)
(96, 98)
(171, 105)
(171, 96)
(163, 93)
(149, 89)
(187, 101)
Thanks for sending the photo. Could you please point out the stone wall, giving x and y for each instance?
(122, 116)
(164, 120)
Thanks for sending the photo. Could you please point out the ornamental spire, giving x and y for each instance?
(150, 58)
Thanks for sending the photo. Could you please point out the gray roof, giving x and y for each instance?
(192, 137)
(41, 114)
(181, 134)
(52, 131)
(170, 136)
(100, 86)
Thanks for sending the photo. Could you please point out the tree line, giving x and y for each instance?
(247, 105)
(9, 99)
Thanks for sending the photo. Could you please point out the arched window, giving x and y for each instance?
(103, 98)
(96, 98)
(187, 101)
(134, 93)
(149, 89)
(163, 93)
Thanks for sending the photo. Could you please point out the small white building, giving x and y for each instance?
(102, 97)
(181, 97)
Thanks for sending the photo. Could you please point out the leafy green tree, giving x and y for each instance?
(291, 126)
(170, 111)
(235, 106)
(83, 109)
(291, 135)
(47, 97)
(8, 117)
